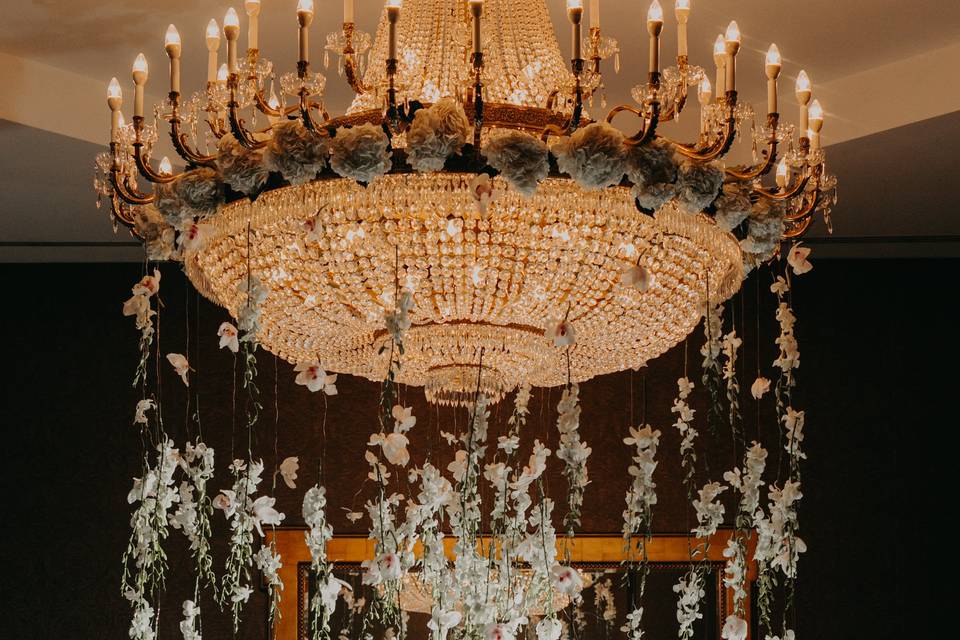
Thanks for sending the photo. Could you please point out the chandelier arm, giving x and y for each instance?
(677, 105)
(307, 118)
(800, 228)
(120, 213)
(351, 69)
(721, 146)
(809, 207)
(179, 138)
(243, 136)
(770, 155)
(785, 194)
(128, 194)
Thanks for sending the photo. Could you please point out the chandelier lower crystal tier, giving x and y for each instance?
(486, 285)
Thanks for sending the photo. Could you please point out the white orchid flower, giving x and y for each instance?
(263, 513)
(288, 471)
(229, 337)
(394, 447)
(759, 387)
(403, 418)
(797, 259)
(143, 406)
(314, 378)
(561, 332)
(566, 580)
(637, 277)
(180, 365)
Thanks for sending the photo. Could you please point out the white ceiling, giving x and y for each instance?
(878, 66)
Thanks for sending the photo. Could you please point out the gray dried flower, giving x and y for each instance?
(158, 236)
(699, 185)
(295, 152)
(241, 168)
(593, 156)
(361, 153)
(192, 194)
(521, 159)
(653, 170)
(733, 206)
(765, 227)
(436, 133)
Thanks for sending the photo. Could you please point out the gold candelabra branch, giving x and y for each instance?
(769, 155)
(351, 68)
(722, 144)
(179, 138)
(243, 136)
(785, 192)
(140, 159)
(128, 193)
(121, 213)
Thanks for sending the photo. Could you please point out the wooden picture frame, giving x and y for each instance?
(588, 552)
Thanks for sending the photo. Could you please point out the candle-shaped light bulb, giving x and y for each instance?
(476, 11)
(253, 18)
(231, 29)
(803, 92)
(575, 15)
(114, 101)
(654, 27)
(731, 41)
(172, 44)
(783, 173)
(213, 43)
(720, 60)
(304, 18)
(140, 73)
(682, 11)
(274, 103)
(803, 88)
(772, 69)
(705, 91)
(393, 15)
(816, 116)
(222, 73)
(166, 169)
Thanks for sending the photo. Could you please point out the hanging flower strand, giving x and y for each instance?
(138, 305)
(574, 453)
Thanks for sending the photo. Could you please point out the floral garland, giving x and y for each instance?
(574, 453)
(196, 508)
(638, 516)
(139, 306)
(712, 377)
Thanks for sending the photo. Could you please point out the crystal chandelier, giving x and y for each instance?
(468, 178)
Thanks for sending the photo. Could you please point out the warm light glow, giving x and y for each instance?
(394, 3)
(140, 69)
(231, 21)
(274, 101)
(222, 73)
(773, 56)
(305, 7)
(782, 170)
(574, 4)
(213, 35)
(816, 115)
(172, 38)
(166, 169)
(719, 46)
(655, 12)
(113, 89)
(733, 32)
(706, 90)
(803, 83)
(682, 6)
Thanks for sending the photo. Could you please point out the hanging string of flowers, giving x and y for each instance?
(574, 453)
(139, 306)
(638, 516)
(712, 377)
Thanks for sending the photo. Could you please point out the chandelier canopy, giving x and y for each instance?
(609, 244)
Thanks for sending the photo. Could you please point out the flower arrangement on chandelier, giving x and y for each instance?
(193, 194)
(159, 238)
(593, 156)
(521, 159)
(699, 185)
(712, 376)
(295, 152)
(360, 153)
(436, 133)
(653, 169)
(733, 206)
(242, 169)
(764, 229)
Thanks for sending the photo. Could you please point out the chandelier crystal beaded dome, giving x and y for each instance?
(471, 190)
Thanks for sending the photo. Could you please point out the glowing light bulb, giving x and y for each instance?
(574, 4)
(773, 57)
(682, 8)
(655, 13)
(396, 4)
(305, 7)
(213, 35)
(114, 92)
(273, 102)
(705, 90)
(803, 87)
(733, 32)
(171, 42)
(719, 47)
(783, 173)
(140, 69)
(816, 115)
(166, 169)
(231, 24)
(222, 73)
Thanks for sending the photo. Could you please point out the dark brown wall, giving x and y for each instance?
(873, 341)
